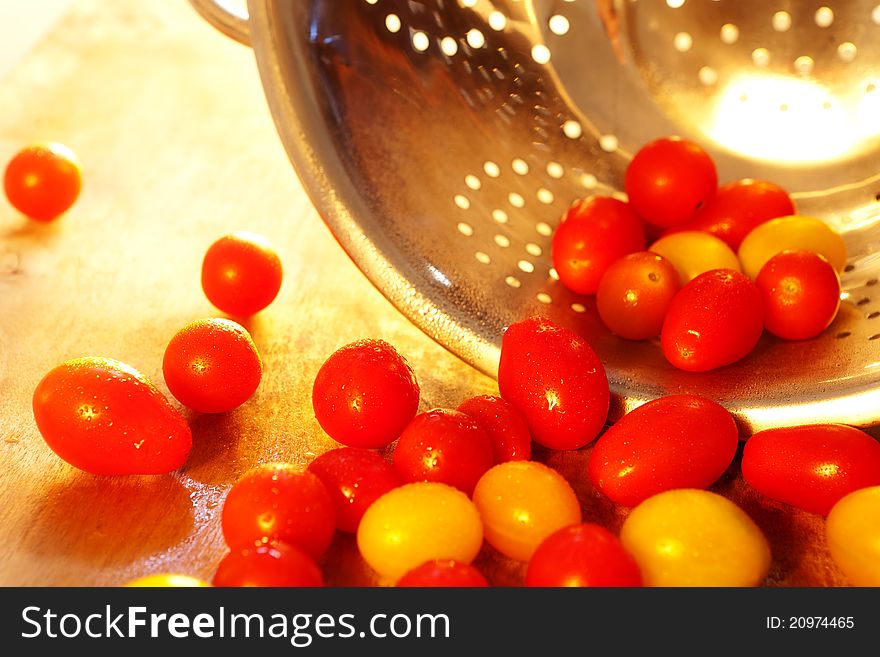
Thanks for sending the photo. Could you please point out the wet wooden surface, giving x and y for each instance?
(178, 148)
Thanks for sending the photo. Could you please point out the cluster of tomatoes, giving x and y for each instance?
(459, 478)
(724, 264)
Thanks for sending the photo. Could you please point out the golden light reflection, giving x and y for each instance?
(827, 470)
(794, 120)
(552, 399)
(522, 516)
(88, 412)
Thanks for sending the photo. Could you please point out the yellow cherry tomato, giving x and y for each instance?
(788, 233)
(168, 580)
(419, 522)
(690, 537)
(693, 252)
(522, 503)
(852, 529)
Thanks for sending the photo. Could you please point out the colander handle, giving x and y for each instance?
(225, 18)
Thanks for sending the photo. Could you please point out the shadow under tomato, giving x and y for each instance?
(111, 520)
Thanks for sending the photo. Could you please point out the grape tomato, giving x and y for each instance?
(677, 441)
(687, 537)
(522, 503)
(505, 426)
(241, 273)
(416, 523)
(789, 234)
(273, 565)
(693, 253)
(43, 181)
(104, 417)
(443, 573)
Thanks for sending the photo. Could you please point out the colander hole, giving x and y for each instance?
(512, 281)
(545, 196)
(847, 51)
(608, 143)
(875, 336)
(674, 4)
(520, 166)
(863, 301)
(849, 268)
(468, 3)
(729, 33)
(553, 273)
(871, 281)
(497, 21)
(543, 297)
(500, 216)
(465, 229)
(492, 170)
(572, 129)
(472, 182)
(874, 315)
(589, 181)
(804, 65)
(544, 229)
(475, 38)
(875, 14)
(781, 21)
(578, 307)
(558, 24)
(462, 202)
(449, 46)
(525, 266)
(783, 107)
(870, 88)
(540, 53)
(707, 76)
(502, 240)
(420, 41)
(824, 17)
(682, 42)
(482, 257)
(555, 170)
(371, 2)
(392, 23)
(843, 334)
(516, 200)
(533, 249)
(761, 56)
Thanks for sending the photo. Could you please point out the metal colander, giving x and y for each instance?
(442, 140)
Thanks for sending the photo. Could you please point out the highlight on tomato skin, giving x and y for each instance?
(104, 417)
(42, 181)
(241, 273)
(272, 565)
(811, 466)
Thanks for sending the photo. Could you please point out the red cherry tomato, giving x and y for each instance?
(635, 293)
(555, 379)
(42, 181)
(443, 573)
(268, 565)
(801, 294)
(668, 180)
(505, 426)
(105, 417)
(212, 366)
(679, 441)
(737, 208)
(355, 479)
(241, 273)
(279, 502)
(713, 321)
(811, 467)
(444, 446)
(582, 555)
(365, 394)
(594, 233)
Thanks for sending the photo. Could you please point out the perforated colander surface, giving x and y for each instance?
(442, 140)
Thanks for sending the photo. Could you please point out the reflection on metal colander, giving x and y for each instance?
(443, 139)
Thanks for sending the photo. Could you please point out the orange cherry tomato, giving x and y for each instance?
(212, 366)
(852, 530)
(105, 417)
(42, 181)
(241, 273)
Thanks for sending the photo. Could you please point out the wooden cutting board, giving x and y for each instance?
(178, 148)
